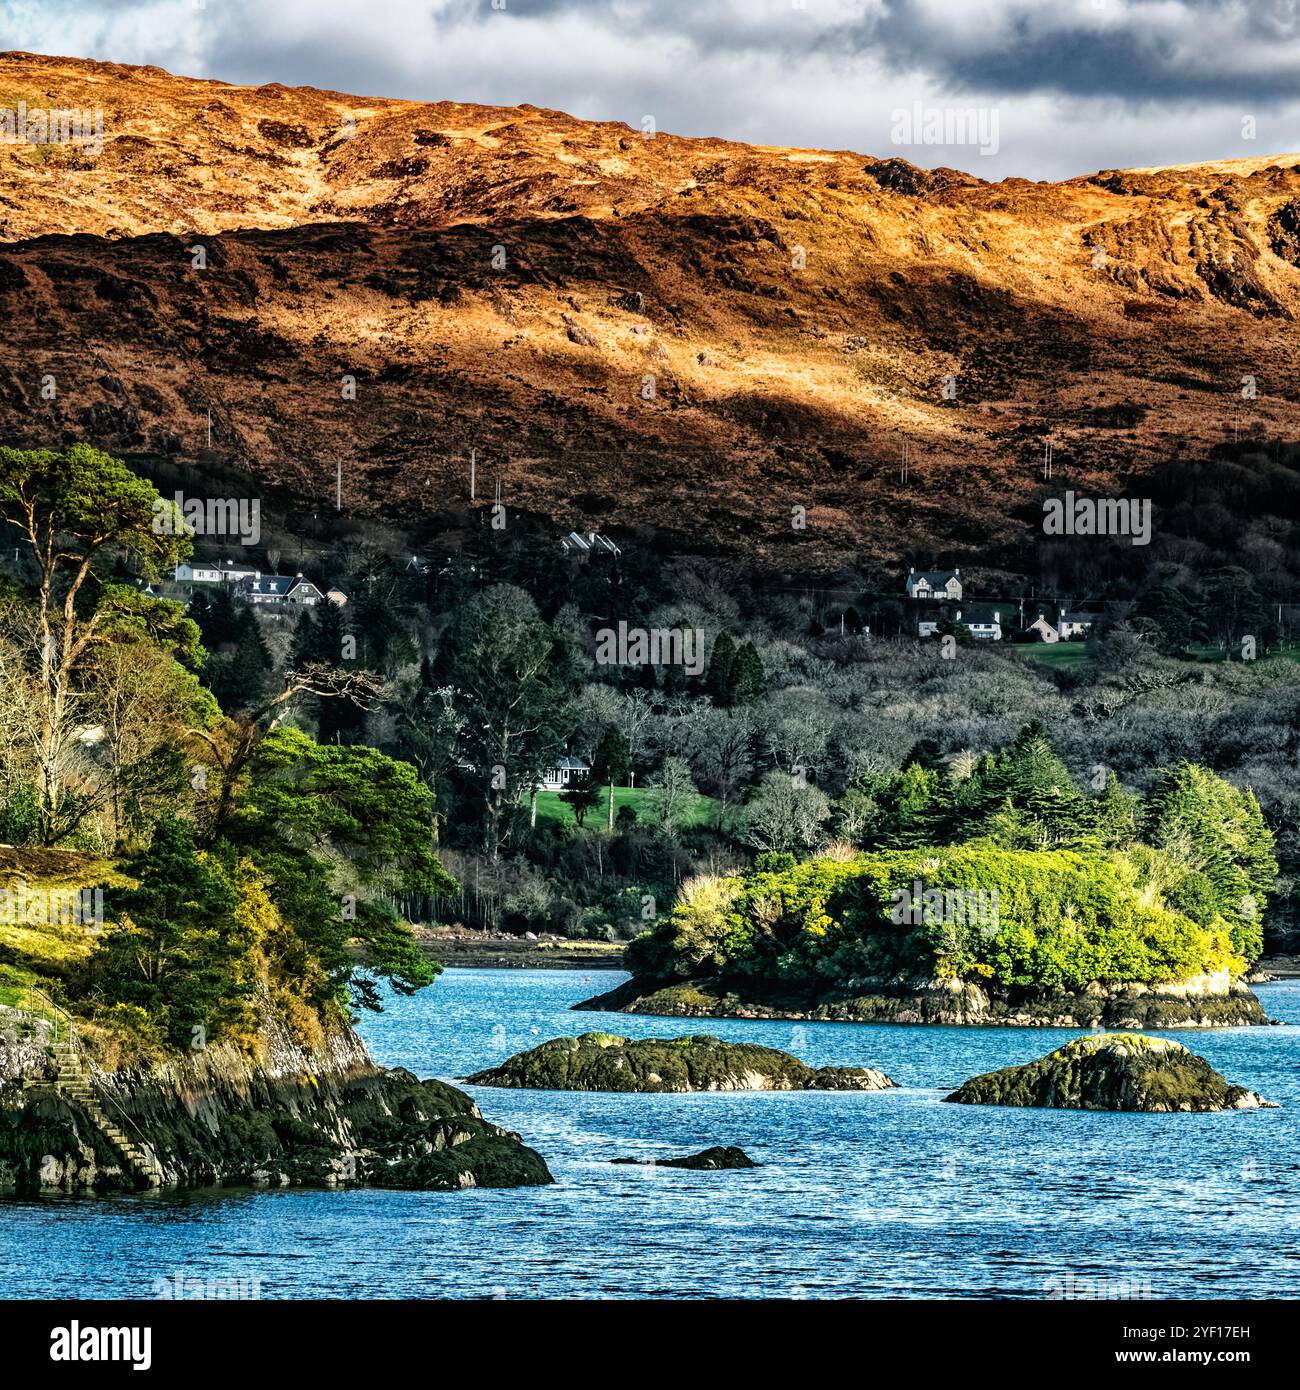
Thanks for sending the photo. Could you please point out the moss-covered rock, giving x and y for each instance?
(707, 1160)
(606, 1062)
(1112, 1071)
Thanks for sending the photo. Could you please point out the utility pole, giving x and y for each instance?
(338, 486)
(473, 472)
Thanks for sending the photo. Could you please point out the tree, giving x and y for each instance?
(341, 832)
(718, 680)
(176, 947)
(72, 509)
(611, 765)
(672, 796)
(145, 703)
(723, 750)
(506, 688)
(748, 679)
(786, 815)
(581, 795)
(1215, 830)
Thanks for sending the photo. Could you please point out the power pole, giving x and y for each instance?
(473, 472)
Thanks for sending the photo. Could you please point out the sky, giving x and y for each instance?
(1036, 88)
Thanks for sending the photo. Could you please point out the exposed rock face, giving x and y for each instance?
(1204, 1003)
(1114, 1071)
(324, 1118)
(796, 309)
(708, 1160)
(606, 1062)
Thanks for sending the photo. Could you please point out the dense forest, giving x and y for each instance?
(274, 793)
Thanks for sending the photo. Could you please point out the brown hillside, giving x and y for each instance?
(357, 235)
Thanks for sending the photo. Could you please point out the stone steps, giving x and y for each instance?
(73, 1083)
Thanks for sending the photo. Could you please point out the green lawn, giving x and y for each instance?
(1060, 655)
(703, 811)
(1213, 651)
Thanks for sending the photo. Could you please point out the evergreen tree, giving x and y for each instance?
(748, 679)
(176, 948)
(1114, 813)
(718, 681)
(580, 796)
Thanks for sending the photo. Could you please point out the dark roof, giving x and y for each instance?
(274, 585)
(982, 613)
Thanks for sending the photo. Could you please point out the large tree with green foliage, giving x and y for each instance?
(176, 946)
(75, 510)
(342, 833)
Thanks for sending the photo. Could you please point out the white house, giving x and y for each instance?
(933, 584)
(590, 543)
(280, 588)
(565, 773)
(1075, 624)
(212, 572)
(983, 621)
(1067, 626)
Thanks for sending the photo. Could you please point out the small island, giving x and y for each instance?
(706, 1161)
(1112, 1071)
(986, 890)
(606, 1062)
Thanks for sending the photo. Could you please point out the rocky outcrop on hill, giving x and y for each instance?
(606, 1062)
(1205, 1002)
(1113, 1071)
(325, 1117)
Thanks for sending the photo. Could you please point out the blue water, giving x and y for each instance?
(888, 1194)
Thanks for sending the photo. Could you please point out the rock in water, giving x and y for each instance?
(606, 1062)
(708, 1160)
(1112, 1071)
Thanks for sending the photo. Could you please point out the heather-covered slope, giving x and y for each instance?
(690, 334)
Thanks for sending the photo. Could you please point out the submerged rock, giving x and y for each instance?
(1112, 1071)
(709, 1160)
(606, 1062)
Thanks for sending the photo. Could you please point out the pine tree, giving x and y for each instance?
(748, 679)
(719, 677)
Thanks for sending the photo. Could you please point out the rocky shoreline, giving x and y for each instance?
(1206, 1002)
(489, 950)
(328, 1117)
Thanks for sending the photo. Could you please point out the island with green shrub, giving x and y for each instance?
(992, 889)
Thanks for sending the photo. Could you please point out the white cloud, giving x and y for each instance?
(1078, 85)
